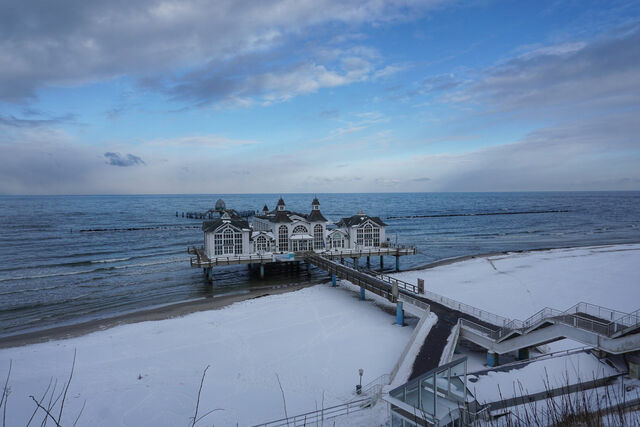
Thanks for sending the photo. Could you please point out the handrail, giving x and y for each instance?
(319, 415)
(591, 317)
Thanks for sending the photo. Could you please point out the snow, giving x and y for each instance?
(314, 340)
(517, 285)
(539, 376)
(406, 366)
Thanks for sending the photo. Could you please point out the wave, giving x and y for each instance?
(74, 273)
(479, 214)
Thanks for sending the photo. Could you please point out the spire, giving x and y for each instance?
(315, 205)
(265, 209)
(281, 206)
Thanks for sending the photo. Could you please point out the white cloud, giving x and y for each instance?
(76, 42)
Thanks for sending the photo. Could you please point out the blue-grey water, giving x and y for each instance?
(54, 271)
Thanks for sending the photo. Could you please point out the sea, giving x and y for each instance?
(70, 259)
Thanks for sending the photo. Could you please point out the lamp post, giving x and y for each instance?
(359, 386)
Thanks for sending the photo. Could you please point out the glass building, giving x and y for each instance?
(436, 398)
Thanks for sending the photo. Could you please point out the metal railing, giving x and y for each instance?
(583, 316)
(354, 276)
(478, 313)
(320, 415)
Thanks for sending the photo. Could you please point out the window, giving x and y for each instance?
(238, 243)
(227, 241)
(283, 238)
(217, 240)
(317, 237)
(368, 236)
(359, 238)
(337, 241)
(300, 229)
(261, 244)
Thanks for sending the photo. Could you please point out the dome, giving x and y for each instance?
(220, 205)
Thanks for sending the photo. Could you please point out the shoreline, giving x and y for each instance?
(164, 312)
(187, 307)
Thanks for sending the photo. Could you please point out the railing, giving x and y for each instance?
(415, 302)
(354, 276)
(480, 314)
(320, 415)
(400, 283)
(487, 332)
(574, 316)
(627, 321)
(585, 316)
(360, 252)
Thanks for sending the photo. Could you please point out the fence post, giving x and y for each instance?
(421, 286)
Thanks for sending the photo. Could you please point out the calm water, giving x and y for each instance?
(51, 276)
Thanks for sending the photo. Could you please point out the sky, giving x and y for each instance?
(276, 96)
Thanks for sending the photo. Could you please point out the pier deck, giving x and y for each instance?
(201, 260)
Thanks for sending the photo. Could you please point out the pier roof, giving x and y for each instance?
(359, 219)
(211, 226)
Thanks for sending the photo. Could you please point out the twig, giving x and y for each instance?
(80, 413)
(284, 400)
(45, 410)
(207, 413)
(35, 411)
(195, 415)
(5, 395)
(64, 397)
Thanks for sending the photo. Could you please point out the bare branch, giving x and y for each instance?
(5, 389)
(35, 411)
(64, 397)
(210, 412)
(284, 400)
(45, 410)
(195, 416)
(80, 413)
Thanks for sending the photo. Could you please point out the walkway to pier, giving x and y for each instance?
(607, 330)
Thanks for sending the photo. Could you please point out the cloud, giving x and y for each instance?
(115, 159)
(72, 43)
(440, 82)
(17, 122)
(267, 77)
(214, 141)
(601, 73)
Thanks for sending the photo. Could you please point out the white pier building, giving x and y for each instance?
(281, 235)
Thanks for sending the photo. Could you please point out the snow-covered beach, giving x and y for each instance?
(518, 284)
(312, 340)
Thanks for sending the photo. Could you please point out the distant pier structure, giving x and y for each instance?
(219, 209)
(284, 236)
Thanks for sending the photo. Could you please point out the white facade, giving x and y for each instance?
(282, 231)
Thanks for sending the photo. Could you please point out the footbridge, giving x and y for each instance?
(396, 291)
(607, 330)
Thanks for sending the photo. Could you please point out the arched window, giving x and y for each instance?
(261, 244)
(368, 235)
(337, 241)
(283, 238)
(227, 241)
(300, 229)
(317, 237)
